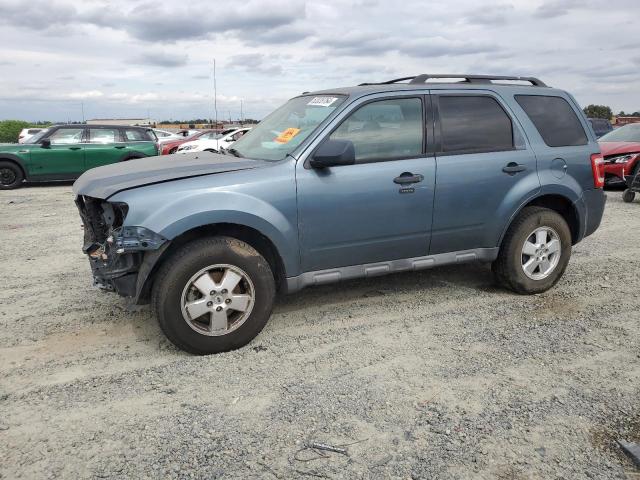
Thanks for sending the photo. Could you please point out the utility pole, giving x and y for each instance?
(215, 93)
(82, 107)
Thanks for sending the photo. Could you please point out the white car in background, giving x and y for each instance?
(214, 141)
(27, 133)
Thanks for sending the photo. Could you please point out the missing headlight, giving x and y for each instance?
(135, 239)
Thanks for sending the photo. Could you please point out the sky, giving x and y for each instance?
(131, 59)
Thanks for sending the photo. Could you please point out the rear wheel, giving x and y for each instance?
(11, 176)
(213, 295)
(628, 196)
(535, 251)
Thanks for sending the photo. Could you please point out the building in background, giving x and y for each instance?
(122, 121)
(624, 120)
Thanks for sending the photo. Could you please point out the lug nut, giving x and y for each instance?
(224, 291)
(212, 292)
(218, 309)
(209, 304)
(228, 300)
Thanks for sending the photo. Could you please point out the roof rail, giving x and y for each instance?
(465, 78)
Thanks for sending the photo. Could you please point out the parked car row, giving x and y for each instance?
(621, 151)
(64, 152)
(204, 140)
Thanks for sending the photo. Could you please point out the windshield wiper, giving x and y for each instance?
(233, 152)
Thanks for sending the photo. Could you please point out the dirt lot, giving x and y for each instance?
(434, 374)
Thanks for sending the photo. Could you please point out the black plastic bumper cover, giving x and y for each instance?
(594, 202)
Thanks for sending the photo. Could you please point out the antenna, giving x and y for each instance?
(241, 115)
(215, 93)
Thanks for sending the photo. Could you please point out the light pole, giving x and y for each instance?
(215, 94)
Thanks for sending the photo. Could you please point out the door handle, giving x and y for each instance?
(75, 148)
(120, 146)
(408, 177)
(512, 168)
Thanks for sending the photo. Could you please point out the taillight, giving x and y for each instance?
(597, 167)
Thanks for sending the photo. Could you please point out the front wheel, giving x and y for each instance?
(535, 251)
(628, 196)
(11, 176)
(213, 295)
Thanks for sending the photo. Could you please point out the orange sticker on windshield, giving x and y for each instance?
(287, 135)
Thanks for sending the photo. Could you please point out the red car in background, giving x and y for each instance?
(172, 145)
(621, 151)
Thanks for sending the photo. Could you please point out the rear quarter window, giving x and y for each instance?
(554, 119)
(135, 135)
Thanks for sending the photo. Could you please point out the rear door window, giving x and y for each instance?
(554, 119)
(103, 135)
(474, 123)
(135, 135)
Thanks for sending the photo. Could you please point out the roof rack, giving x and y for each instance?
(465, 79)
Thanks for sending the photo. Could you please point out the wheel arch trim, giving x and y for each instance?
(17, 160)
(544, 197)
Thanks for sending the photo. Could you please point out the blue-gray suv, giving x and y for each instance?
(344, 183)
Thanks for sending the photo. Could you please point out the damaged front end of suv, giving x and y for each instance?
(121, 257)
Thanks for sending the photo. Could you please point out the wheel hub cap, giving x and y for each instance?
(541, 253)
(217, 300)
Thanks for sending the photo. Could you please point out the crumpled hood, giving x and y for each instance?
(102, 182)
(618, 148)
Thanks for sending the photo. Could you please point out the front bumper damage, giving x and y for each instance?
(121, 257)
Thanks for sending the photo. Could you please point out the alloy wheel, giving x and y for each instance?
(217, 300)
(541, 253)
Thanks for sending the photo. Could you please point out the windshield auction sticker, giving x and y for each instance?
(322, 101)
(287, 135)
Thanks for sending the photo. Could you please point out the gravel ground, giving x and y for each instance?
(434, 374)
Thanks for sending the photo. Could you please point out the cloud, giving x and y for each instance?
(361, 45)
(161, 59)
(255, 62)
(556, 8)
(130, 55)
(489, 15)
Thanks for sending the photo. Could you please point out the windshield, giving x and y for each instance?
(38, 136)
(628, 133)
(283, 130)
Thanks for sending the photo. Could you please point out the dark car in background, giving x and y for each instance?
(601, 126)
(621, 151)
(64, 152)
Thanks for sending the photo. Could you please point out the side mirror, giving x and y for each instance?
(45, 142)
(334, 153)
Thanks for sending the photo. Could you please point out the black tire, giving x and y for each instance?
(174, 275)
(628, 196)
(508, 269)
(11, 175)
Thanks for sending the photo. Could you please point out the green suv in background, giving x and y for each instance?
(64, 152)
